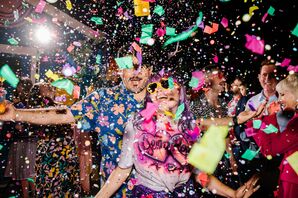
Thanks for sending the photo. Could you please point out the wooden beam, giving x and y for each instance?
(68, 20)
(19, 50)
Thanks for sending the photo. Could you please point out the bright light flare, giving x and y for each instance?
(43, 35)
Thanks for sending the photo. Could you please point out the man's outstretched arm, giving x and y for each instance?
(41, 116)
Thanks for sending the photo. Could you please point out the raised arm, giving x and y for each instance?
(214, 185)
(116, 179)
(42, 116)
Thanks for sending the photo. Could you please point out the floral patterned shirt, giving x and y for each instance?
(106, 112)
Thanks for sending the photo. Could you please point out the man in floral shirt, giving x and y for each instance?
(105, 111)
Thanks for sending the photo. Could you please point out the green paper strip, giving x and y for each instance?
(124, 62)
(270, 129)
(97, 20)
(1, 146)
(13, 41)
(194, 82)
(170, 31)
(184, 35)
(159, 10)
(30, 180)
(147, 31)
(179, 111)
(9, 76)
(271, 11)
(98, 59)
(65, 84)
(257, 124)
(171, 83)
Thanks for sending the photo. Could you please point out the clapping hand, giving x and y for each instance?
(248, 188)
(9, 114)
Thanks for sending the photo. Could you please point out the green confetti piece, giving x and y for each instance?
(159, 10)
(97, 20)
(257, 124)
(171, 83)
(124, 62)
(30, 180)
(179, 111)
(9, 76)
(271, 11)
(98, 59)
(270, 129)
(13, 41)
(227, 155)
(250, 154)
(65, 84)
(1, 146)
(295, 31)
(170, 31)
(147, 31)
(194, 82)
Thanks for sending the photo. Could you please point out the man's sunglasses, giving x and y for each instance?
(164, 83)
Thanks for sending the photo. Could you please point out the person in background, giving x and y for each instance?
(157, 146)
(57, 164)
(21, 160)
(285, 139)
(209, 106)
(267, 169)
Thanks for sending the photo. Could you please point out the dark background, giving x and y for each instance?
(194, 53)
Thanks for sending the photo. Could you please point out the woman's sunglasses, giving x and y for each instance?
(163, 83)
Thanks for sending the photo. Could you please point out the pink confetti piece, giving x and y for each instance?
(286, 62)
(264, 17)
(76, 92)
(195, 133)
(224, 22)
(40, 6)
(293, 68)
(77, 44)
(249, 132)
(254, 45)
(149, 111)
(215, 59)
(136, 47)
(201, 79)
(70, 48)
(160, 32)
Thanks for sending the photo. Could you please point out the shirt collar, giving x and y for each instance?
(262, 97)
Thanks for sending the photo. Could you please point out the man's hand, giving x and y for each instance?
(9, 114)
(245, 116)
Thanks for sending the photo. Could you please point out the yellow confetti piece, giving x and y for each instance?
(68, 5)
(293, 161)
(2, 79)
(36, 76)
(167, 113)
(206, 154)
(28, 19)
(252, 9)
(51, 75)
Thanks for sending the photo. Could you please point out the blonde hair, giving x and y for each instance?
(290, 83)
